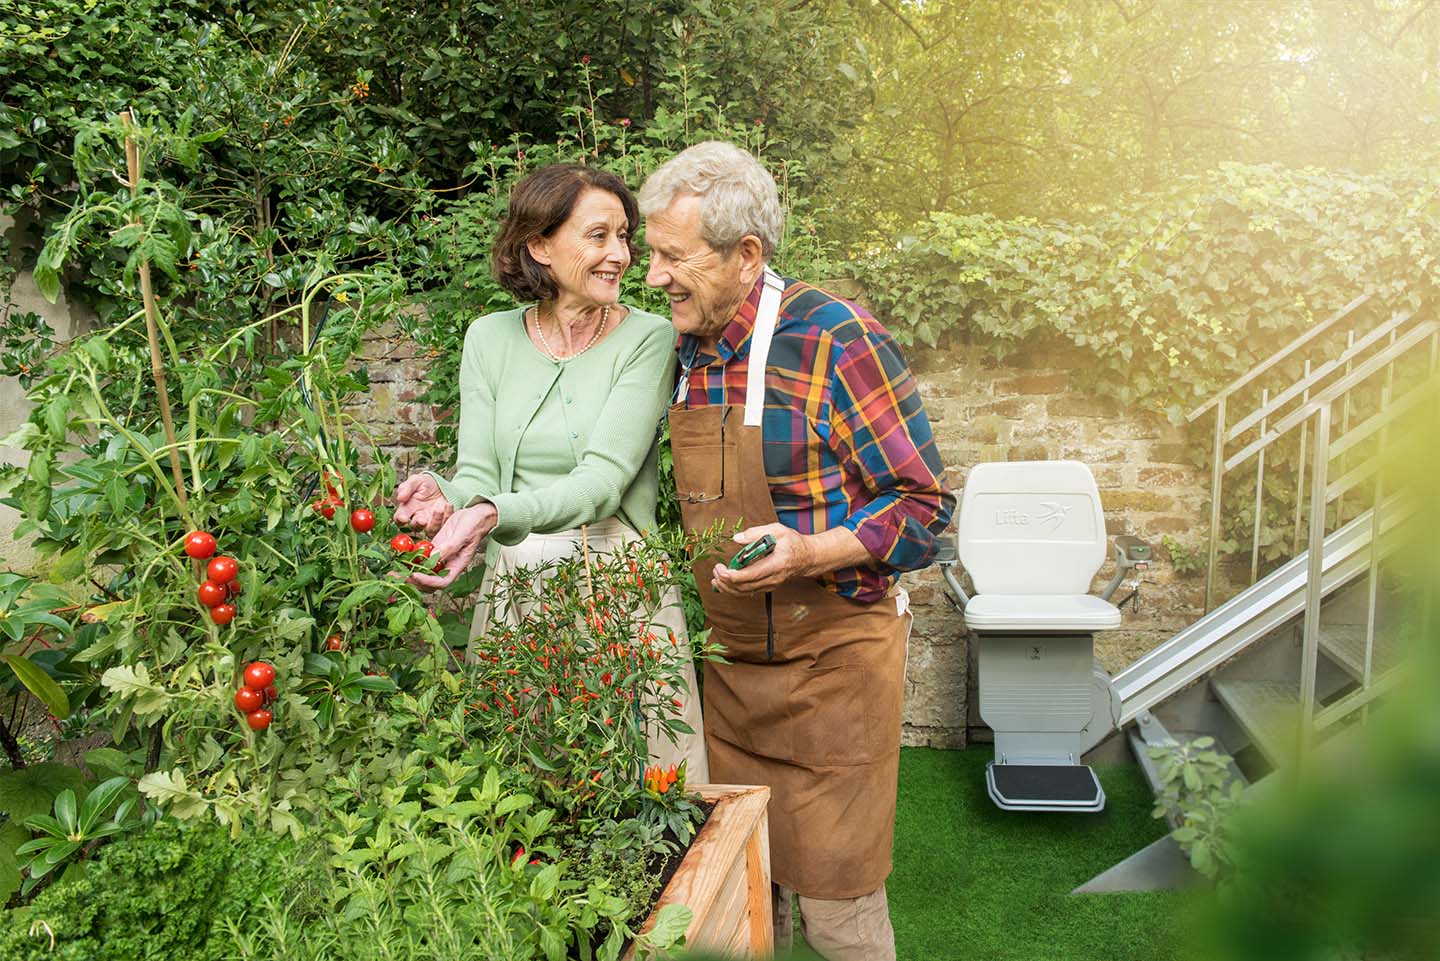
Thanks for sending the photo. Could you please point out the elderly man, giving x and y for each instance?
(796, 417)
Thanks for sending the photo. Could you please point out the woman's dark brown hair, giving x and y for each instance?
(538, 205)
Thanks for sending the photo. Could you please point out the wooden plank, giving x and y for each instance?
(719, 852)
(757, 870)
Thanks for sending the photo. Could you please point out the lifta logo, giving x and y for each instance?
(1011, 518)
(1055, 513)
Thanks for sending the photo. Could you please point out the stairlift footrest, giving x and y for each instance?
(1044, 787)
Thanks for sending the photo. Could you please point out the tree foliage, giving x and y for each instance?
(1058, 107)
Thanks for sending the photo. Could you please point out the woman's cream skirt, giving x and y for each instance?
(603, 537)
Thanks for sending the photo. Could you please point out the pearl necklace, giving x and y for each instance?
(545, 346)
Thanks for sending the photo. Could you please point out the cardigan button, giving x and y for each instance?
(573, 435)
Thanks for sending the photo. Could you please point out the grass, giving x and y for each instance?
(974, 883)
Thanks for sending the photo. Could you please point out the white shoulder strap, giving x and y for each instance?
(765, 318)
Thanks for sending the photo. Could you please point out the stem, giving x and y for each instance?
(114, 422)
(152, 326)
(157, 737)
(12, 746)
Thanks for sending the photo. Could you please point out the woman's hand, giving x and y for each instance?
(456, 544)
(419, 503)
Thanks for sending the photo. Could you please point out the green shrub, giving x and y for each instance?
(162, 895)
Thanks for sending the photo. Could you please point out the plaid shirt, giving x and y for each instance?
(847, 442)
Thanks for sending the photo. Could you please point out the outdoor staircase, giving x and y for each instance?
(1274, 672)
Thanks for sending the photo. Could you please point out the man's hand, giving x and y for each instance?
(419, 503)
(456, 544)
(795, 556)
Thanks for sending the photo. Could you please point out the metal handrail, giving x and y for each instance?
(1316, 376)
(1278, 356)
(1323, 416)
(1334, 392)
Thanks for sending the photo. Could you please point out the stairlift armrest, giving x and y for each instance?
(947, 555)
(1131, 553)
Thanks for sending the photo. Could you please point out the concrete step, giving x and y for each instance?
(1268, 711)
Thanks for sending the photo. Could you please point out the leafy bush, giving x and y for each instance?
(1173, 294)
(163, 894)
(1199, 795)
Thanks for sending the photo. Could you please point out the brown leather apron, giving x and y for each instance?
(812, 699)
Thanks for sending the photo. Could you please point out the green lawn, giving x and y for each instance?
(974, 883)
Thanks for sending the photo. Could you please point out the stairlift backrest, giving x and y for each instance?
(1032, 527)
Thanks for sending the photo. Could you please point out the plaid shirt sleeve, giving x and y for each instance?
(879, 431)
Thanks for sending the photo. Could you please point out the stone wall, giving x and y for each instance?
(1027, 408)
(982, 410)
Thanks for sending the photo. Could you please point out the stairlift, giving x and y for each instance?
(1032, 535)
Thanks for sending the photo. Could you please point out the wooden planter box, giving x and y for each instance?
(725, 877)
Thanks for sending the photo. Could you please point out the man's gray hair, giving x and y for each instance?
(737, 196)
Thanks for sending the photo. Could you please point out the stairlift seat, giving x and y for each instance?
(1084, 613)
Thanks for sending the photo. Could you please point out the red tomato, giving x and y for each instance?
(212, 594)
(325, 508)
(334, 643)
(199, 545)
(362, 520)
(334, 494)
(233, 587)
(222, 614)
(222, 569)
(271, 694)
(402, 543)
(259, 720)
(424, 547)
(259, 675)
(248, 699)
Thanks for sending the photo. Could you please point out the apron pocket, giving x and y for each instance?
(698, 473)
(834, 718)
(748, 705)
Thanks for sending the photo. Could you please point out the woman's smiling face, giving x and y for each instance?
(590, 251)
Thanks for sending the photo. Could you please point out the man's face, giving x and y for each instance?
(706, 287)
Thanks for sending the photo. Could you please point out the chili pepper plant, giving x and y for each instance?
(577, 671)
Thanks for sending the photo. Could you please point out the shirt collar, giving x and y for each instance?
(735, 340)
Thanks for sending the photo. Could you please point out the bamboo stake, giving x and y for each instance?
(152, 325)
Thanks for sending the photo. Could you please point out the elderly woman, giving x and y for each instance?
(560, 402)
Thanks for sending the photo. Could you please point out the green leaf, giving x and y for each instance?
(47, 280)
(515, 802)
(134, 683)
(45, 824)
(291, 625)
(671, 923)
(65, 810)
(363, 593)
(9, 872)
(376, 684)
(543, 884)
(33, 789)
(57, 417)
(105, 794)
(550, 942)
(170, 791)
(39, 683)
(107, 760)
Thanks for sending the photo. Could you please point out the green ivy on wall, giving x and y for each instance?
(1175, 293)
